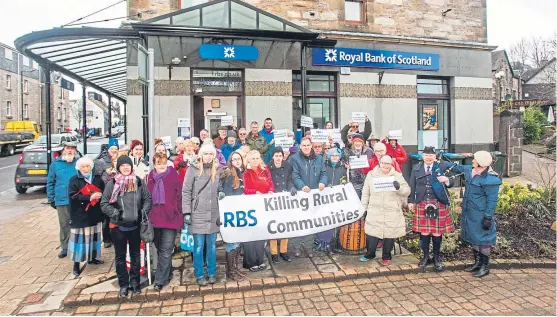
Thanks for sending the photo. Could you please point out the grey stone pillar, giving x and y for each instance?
(510, 141)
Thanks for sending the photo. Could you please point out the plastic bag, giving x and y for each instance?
(186, 240)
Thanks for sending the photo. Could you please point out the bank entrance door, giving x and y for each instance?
(216, 94)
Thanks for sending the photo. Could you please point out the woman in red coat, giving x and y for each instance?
(379, 149)
(181, 161)
(395, 150)
(257, 180)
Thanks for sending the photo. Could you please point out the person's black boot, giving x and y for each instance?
(275, 258)
(76, 271)
(477, 263)
(124, 291)
(424, 241)
(484, 266)
(436, 251)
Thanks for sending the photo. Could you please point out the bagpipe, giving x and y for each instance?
(442, 167)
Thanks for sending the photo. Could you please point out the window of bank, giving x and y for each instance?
(433, 112)
(321, 98)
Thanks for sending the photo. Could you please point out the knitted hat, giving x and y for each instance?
(134, 144)
(112, 142)
(333, 151)
(483, 158)
(124, 159)
(358, 137)
(207, 148)
(379, 146)
(231, 134)
(277, 149)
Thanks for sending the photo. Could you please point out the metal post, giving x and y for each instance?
(84, 133)
(125, 122)
(150, 103)
(109, 116)
(303, 69)
(47, 121)
(145, 117)
(21, 76)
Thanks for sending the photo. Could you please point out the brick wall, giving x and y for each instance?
(57, 107)
(508, 83)
(419, 18)
(32, 98)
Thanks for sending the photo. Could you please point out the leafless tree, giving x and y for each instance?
(519, 54)
(77, 111)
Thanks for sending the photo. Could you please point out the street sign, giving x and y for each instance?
(66, 84)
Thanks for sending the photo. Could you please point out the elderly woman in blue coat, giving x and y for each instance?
(478, 208)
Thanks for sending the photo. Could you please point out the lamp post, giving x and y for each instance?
(499, 76)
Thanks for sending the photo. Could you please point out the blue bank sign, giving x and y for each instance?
(357, 57)
(228, 52)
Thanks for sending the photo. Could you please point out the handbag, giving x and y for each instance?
(147, 232)
(186, 240)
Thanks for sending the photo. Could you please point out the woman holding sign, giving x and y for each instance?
(257, 180)
(384, 192)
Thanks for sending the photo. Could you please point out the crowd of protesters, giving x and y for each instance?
(106, 199)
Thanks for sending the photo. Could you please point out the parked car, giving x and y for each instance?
(56, 139)
(32, 168)
(94, 149)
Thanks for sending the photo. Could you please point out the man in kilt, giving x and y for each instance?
(431, 217)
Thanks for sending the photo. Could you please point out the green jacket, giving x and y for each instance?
(258, 143)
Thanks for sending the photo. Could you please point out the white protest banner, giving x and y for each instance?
(167, 141)
(359, 162)
(319, 135)
(281, 133)
(335, 134)
(359, 117)
(285, 143)
(306, 122)
(395, 134)
(383, 184)
(226, 120)
(248, 218)
(183, 123)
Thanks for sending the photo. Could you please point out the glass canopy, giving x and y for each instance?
(231, 14)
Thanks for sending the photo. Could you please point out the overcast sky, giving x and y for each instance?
(507, 20)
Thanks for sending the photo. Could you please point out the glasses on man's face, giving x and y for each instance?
(355, 126)
(243, 133)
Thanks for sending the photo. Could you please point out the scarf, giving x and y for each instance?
(333, 164)
(158, 194)
(478, 171)
(87, 177)
(122, 184)
(269, 130)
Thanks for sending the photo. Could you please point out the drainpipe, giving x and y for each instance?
(150, 103)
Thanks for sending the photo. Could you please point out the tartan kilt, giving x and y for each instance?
(85, 243)
(443, 224)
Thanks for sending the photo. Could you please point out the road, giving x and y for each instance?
(8, 165)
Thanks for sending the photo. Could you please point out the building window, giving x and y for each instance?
(515, 95)
(59, 113)
(64, 114)
(433, 112)
(25, 61)
(8, 109)
(61, 94)
(35, 65)
(26, 111)
(184, 4)
(8, 82)
(26, 86)
(354, 10)
(8, 53)
(321, 98)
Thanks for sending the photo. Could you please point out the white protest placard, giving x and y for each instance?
(285, 143)
(226, 120)
(383, 184)
(183, 123)
(335, 134)
(359, 117)
(395, 134)
(319, 135)
(248, 218)
(281, 133)
(359, 162)
(167, 141)
(306, 122)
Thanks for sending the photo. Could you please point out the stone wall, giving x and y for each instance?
(510, 141)
(418, 18)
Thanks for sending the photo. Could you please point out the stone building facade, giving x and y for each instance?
(509, 84)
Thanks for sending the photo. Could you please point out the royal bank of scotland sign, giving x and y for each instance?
(356, 57)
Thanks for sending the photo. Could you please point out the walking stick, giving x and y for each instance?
(148, 263)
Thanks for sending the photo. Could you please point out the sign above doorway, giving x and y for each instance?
(358, 57)
(228, 52)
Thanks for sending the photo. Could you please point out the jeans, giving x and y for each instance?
(64, 222)
(164, 242)
(388, 244)
(120, 239)
(199, 242)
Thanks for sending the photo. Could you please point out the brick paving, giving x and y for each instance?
(503, 292)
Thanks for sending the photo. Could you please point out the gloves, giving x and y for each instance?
(486, 223)
(182, 164)
(396, 185)
(146, 163)
(337, 145)
(53, 204)
(218, 222)
(293, 191)
(187, 219)
(221, 195)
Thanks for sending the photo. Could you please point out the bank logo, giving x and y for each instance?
(330, 55)
(229, 52)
